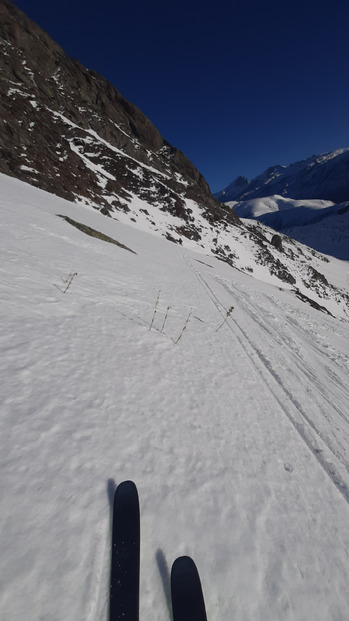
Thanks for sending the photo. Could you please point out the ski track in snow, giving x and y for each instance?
(237, 438)
(293, 364)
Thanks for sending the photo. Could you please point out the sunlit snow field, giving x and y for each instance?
(236, 435)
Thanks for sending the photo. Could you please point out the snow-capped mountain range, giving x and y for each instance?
(308, 200)
(322, 177)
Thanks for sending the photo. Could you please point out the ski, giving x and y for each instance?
(124, 578)
(187, 597)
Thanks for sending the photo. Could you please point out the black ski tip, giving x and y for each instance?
(187, 597)
(124, 578)
(184, 563)
(126, 492)
(126, 511)
(126, 486)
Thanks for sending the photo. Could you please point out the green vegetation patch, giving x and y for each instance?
(93, 233)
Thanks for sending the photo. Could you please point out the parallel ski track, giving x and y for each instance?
(329, 412)
(300, 364)
(305, 427)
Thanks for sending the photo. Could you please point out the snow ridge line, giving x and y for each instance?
(300, 427)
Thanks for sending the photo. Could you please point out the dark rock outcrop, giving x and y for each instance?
(276, 242)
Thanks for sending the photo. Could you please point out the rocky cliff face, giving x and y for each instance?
(67, 130)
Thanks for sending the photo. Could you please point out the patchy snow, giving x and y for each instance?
(17, 91)
(28, 169)
(236, 436)
(24, 63)
(123, 132)
(56, 77)
(181, 179)
(94, 134)
(97, 168)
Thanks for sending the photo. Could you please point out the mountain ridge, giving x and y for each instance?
(317, 177)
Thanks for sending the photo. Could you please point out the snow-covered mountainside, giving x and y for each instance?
(323, 177)
(319, 224)
(230, 414)
(67, 130)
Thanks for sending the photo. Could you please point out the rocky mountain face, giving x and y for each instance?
(67, 130)
(323, 177)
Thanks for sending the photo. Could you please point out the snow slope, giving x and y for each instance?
(302, 210)
(321, 225)
(327, 233)
(236, 435)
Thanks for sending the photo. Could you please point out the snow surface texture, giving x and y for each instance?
(236, 436)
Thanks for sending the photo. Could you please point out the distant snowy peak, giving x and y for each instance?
(323, 177)
(234, 189)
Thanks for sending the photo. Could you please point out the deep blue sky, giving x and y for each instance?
(236, 85)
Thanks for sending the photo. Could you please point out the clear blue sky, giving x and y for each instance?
(236, 85)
